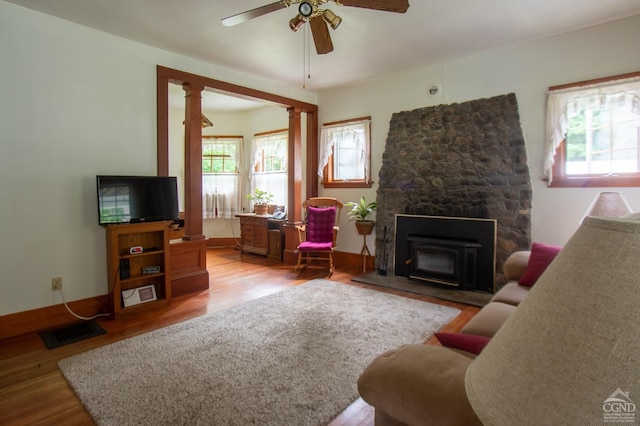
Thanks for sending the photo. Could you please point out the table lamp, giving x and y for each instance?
(570, 353)
(609, 204)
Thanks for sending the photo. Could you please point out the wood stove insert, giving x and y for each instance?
(446, 251)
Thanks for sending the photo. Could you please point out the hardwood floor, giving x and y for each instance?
(34, 392)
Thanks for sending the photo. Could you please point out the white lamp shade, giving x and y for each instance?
(609, 204)
(573, 342)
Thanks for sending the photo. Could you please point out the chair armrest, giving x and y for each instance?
(302, 229)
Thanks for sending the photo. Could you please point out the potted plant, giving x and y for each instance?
(261, 201)
(359, 212)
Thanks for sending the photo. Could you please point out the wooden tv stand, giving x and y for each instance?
(182, 264)
(133, 252)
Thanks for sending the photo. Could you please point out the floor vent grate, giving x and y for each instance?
(71, 334)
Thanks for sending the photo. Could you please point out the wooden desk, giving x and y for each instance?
(254, 233)
(276, 239)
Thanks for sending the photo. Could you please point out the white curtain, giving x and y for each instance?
(564, 104)
(356, 131)
(276, 142)
(222, 192)
(221, 195)
(274, 182)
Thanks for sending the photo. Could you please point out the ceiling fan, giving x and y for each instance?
(319, 19)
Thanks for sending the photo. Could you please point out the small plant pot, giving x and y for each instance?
(261, 209)
(365, 227)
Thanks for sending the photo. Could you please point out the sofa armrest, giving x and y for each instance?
(419, 384)
(515, 265)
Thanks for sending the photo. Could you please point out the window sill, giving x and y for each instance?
(596, 182)
(347, 184)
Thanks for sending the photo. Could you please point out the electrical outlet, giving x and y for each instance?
(56, 284)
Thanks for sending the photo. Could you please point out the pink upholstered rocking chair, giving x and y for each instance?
(317, 237)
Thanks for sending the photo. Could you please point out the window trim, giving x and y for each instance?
(559, 177)
(327, 171)
(562, 180)
(238, 158)
(256, 166)
(225, 201)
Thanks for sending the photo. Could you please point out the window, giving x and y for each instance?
(345, 154)
(594, 133)
(269, 164)
(221, 183)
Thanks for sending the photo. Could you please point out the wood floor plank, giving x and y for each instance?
(34, 392)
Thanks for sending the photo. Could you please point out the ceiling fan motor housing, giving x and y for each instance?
(305, 9)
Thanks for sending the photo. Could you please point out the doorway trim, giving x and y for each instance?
(294, 107)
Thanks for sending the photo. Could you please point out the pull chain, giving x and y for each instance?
(304, 53)
(306, 57)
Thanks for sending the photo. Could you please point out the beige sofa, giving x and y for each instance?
(417, 384)
(565, 354)
(504, 302)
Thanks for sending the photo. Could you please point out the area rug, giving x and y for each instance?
(293, 357)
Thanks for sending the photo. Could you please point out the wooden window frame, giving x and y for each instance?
(259, 167)
(205, 156)
(328, 170)
(560, 178)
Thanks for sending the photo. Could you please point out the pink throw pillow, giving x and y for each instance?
(467, 342)
(541, 256)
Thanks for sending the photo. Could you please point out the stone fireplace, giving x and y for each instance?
(464, 160)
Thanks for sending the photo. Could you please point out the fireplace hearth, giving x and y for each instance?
(446, 251)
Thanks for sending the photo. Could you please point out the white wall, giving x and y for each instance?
(74, 103)
(526, 69)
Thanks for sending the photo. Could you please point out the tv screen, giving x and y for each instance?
(131, 199)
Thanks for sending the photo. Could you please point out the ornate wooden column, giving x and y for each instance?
(193, 162)
(189, 255)
(294, 182)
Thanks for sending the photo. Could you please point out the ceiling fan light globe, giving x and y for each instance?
(305, 9)
(331, 18)
(296, 23)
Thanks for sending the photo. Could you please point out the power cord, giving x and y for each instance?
(233, 234)
(76, 315)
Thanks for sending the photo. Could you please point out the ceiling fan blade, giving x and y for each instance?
(253, 13)
(321, 36)
(399, 6)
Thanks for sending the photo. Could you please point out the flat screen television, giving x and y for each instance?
(133, 199)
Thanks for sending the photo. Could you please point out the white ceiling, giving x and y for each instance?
(367, 44)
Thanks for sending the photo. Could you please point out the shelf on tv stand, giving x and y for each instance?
(153, 237)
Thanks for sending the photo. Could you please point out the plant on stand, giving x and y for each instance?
(359, 212)
(261, 201)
